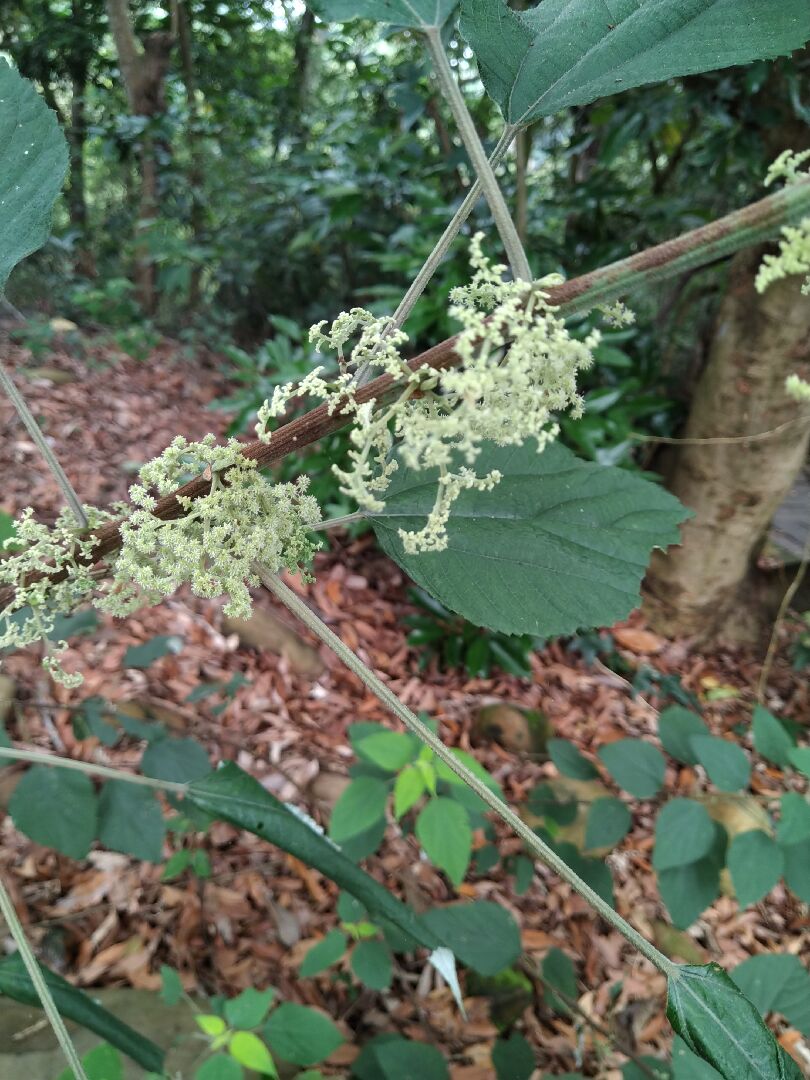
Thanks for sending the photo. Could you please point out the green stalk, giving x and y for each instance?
(41, 987)
(35, 757)
(34, 430)
(469, 136)
(543, 852)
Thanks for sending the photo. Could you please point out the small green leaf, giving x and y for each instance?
(327, 952)
(558, 544)
(361, 805)
(684, 833)
(482, 935)
(800, 759)
(33, 164)
(177, 862)
(607, 824)
(797, 869)
(545, 802)
(570, 761)
(513, 1058)
(171, 990)
(371, 963)
(210, 1024)
(721, 1026)
(249, 1050)
(676, 727)
(688, 890)
(248, 1009)
(443, 830)
(594, 872)
(56, 808)
(726, 763)
(409, 787)
(101, 1063)
(391, 750)
(219, 1067)
(142, 656)
(301, 1035)
(390, 1057)
(130, 820)
(177, 760)
(777, 982)
(770, 738)
(635, 765)
(755, 863)
(559, 973)
(794, 820)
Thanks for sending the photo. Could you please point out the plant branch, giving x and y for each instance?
(36, 757)
(541, 850)
(41, 987)
(34, 430)
(742, 228)
(469, 136)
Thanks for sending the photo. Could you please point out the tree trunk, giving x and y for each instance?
(710, 587)
(143, 66)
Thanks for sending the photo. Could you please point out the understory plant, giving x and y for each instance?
(454, 460)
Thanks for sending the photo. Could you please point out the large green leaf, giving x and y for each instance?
(559, 544)
(301, 1035)
(483, 935)
(755, 862)
(56, 808)
(570, 52)
(417, 14)
(130, 820)
(75, 1005)
(231, 795)
(777, 982)
(33, 163)
(719, 1024)
(684, 833)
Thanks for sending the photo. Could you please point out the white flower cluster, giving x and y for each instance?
(794, 247)
(797, 388)
(246, 519)
(32, 612)
(518, 368)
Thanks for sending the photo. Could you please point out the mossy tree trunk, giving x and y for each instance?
(711, 587)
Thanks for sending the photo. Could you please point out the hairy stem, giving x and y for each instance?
(34, 430)
(541, 850)
(36, 757)
(742, 228)
(41, 987)
(469, 136)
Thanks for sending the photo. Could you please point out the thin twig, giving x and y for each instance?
(787, 600)
(721, 440)
(34, 430)
(38, 979)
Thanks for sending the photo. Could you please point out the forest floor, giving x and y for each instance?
(111, 921)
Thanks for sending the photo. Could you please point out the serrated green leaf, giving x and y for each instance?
(726, 763)
(360, 806)
(607, 824)
(483, 935)
(248, 1009)
(755, 863)
(570, 761)
(417, 14)
(75, 1005)
(33, 165)
(56, 808)
(301, 1035)
(130, 820)
(557, 545)
(371, 963)
(327, 952)
(722, 1027)
(635, 765)
(684, 833)
(443, 830)
(770, 738)
(570, 52)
